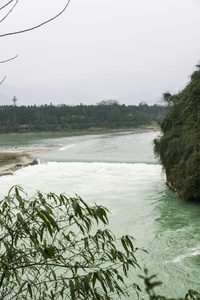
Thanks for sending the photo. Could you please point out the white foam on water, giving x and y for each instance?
(67, 147)
(134, 192)
(84, 178)
(123, 188)
(192, 252)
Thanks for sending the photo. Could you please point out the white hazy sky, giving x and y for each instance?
(104, 48)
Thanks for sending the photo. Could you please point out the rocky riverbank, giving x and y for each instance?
(12, 160)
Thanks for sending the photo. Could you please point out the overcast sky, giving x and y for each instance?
(103, 48)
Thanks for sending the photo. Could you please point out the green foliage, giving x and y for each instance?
(169, 98)
(50, 248)
(53, 247)
(108, 102)
(179, 146)
(106, 115)
(151, 284)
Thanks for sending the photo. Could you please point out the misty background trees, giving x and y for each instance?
(80, 117)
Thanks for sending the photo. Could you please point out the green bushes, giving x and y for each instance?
(179, 146)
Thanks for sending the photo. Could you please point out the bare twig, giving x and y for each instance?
(6, 4)
(39, 25)
(9, 11)
(4, 61)
(25, 30)
(2, 80)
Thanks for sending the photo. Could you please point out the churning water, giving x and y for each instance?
(119, 171)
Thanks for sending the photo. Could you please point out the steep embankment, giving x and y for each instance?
(179, 146)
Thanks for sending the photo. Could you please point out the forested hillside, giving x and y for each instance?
(81, 117)
(179, 146)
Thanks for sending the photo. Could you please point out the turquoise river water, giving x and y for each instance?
(119, 171)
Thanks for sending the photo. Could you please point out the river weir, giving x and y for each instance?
(120, 172)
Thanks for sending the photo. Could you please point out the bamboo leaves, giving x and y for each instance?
(52, 247)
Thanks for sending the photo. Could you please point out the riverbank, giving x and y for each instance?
(92, 130)
(12, 160)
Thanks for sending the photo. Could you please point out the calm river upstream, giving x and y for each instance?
(119, 171)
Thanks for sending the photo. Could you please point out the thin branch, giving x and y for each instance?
(4, 61)
(45, 264)
(37, 26)
(2, 80)
(9, 11)
(6, 4)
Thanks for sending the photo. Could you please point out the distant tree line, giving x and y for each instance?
(80, 117)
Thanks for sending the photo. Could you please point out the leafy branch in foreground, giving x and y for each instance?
(53, 247)
(150, 285)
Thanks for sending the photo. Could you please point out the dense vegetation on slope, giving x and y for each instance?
(81, 117)
(179, 146)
